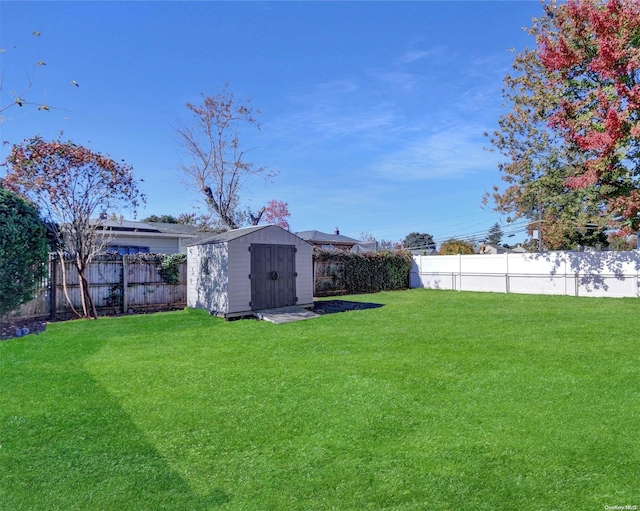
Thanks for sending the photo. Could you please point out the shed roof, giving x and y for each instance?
(229, 235)
(323, 237)
(235, 234)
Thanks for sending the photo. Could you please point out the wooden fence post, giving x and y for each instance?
(125, 283)
(53, 287)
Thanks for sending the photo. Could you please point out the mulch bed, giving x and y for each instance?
(335, 306)
(20, 327)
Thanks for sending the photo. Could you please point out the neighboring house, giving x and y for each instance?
(335, 241)
(423, 251)
(496, 249)
(127, 237)
(492, 249)
(365, 247)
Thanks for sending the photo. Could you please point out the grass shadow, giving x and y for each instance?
(68, 444)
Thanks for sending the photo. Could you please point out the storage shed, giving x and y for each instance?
(245, 270)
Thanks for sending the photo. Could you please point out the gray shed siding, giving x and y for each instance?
(234, 259)
(207, 277)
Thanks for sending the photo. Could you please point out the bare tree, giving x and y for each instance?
(19, 97)
(217, 165)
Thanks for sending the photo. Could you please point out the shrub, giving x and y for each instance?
(454, 246)
(620, 243)
(169, 267)
(368, 273)
(23, 251)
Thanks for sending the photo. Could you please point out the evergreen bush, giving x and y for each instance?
(23, 251)
(368, 273)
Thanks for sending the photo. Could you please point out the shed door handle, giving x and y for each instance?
(274, 275)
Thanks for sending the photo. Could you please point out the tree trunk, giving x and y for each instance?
(226, 216)
(65, 289)
(88, 307)
(255, 219)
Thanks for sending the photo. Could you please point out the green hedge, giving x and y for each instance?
(368, 273)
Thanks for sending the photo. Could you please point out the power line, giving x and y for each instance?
(461, 230)
(512, 229)
(457, 226)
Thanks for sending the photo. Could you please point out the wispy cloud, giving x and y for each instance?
(365, 103)
(397, 79)
(328, 123)
(453, 153)
(406, 73)
(413, 55)
(399, 108)
(337, 109)
(345, 86)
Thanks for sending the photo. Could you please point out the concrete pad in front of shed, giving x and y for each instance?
(285, 315)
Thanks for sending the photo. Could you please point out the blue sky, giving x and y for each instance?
(372, 113)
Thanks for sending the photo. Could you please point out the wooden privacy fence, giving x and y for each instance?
(327, 281)
(117, 284)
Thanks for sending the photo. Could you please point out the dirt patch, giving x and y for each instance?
(335, 306)
(20, 327)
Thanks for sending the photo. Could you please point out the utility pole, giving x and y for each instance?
(540, 232)
(539, 224)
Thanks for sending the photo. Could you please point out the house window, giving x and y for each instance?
(127, 249)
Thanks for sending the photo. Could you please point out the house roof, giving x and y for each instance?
(149, 228)
(318, 237)
(229, 235)
(127, 226)
(176, 228)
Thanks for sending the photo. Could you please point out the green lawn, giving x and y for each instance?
(437, 400)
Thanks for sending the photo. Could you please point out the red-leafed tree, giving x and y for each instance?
(277, 212)
(71, 186)
(595, 50)
(572, 136)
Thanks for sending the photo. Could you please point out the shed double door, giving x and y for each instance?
(273, 276)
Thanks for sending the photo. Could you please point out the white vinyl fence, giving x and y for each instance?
(612, 274)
